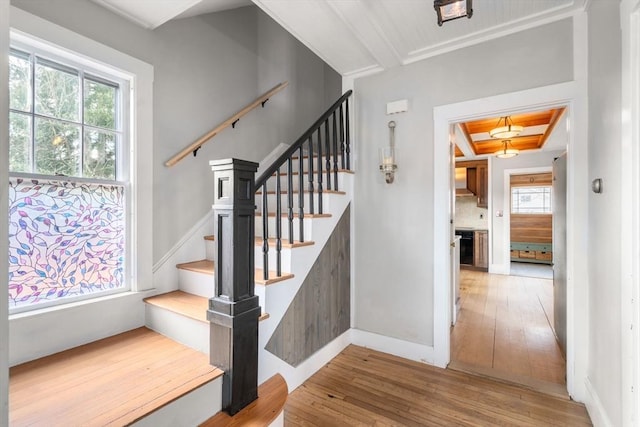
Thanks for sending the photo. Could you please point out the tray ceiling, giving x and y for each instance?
(538, 127)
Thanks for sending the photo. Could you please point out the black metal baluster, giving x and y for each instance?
(327, 141)
(310, 179)
(335, 153)
(348, 148)
(265, 233)
(278, 225)
(301, 193)
(342, 137)
(319, 171)
(290, 197)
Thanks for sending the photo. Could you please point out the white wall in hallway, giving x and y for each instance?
(605, 161)
(394, 260)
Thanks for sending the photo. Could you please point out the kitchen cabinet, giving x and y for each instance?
(481, 249)
(477, 179)
(482, 184)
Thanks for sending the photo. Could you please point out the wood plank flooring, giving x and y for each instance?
(114, 381)
(364, 387)
(504, 329)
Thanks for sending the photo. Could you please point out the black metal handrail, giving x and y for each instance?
(336, 143)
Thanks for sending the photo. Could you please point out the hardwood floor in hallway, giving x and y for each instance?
(504, 330)
(363, 387)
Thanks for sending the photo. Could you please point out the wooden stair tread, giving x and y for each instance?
(285, 243)
(273, 278)
(295, 216)
(272, 395)
(186, 304)
(204, 266)
(113, 381)
(210, 237)
(189, 305)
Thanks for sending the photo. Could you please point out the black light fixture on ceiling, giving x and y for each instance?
(449, 10)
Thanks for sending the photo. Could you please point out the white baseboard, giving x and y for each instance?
(408, 350)
(595, 408)
(270, 364)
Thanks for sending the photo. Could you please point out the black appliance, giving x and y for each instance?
(466, 246)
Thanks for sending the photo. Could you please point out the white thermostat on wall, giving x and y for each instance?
(395, 107)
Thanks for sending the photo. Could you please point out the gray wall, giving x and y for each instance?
(393, 223)
(207, 68)
(605, 328)
(498, 166)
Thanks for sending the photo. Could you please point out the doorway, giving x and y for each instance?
(505, 324)
(570, 94)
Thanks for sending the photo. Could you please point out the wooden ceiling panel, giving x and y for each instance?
(477, 131)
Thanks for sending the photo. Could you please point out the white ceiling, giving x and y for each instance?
(358, 37)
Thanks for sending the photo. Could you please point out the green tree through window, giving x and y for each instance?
(62, 121)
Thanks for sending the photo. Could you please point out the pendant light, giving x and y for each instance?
(505, 152)
(507, 130)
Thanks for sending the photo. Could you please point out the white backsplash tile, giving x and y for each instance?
(468, 213)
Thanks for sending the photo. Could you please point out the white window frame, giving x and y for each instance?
(86, 69)
(515, 187)
(69, 46)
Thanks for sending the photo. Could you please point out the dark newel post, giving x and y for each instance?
(234, 311)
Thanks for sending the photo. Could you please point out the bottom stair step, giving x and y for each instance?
(272, 395)
(118, 380)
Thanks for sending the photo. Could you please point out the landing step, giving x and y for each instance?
(189, 305)
(272, 395)
(114, 381)
(206, 267)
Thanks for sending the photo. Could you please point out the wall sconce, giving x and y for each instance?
(448, 10)
(387, 155)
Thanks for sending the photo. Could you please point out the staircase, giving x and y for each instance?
(302, 202)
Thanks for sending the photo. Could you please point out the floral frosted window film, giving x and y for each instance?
(66, 240)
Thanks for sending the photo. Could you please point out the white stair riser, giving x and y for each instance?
(196, 283)
(285, 255)
(185, 330)
(191, 409)
(284, 202)
(284, 223)
(209, 247)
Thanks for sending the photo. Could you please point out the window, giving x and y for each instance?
(63, 120)
(68, 183)
(531, 200)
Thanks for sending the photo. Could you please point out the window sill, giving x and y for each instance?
(78, 304)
